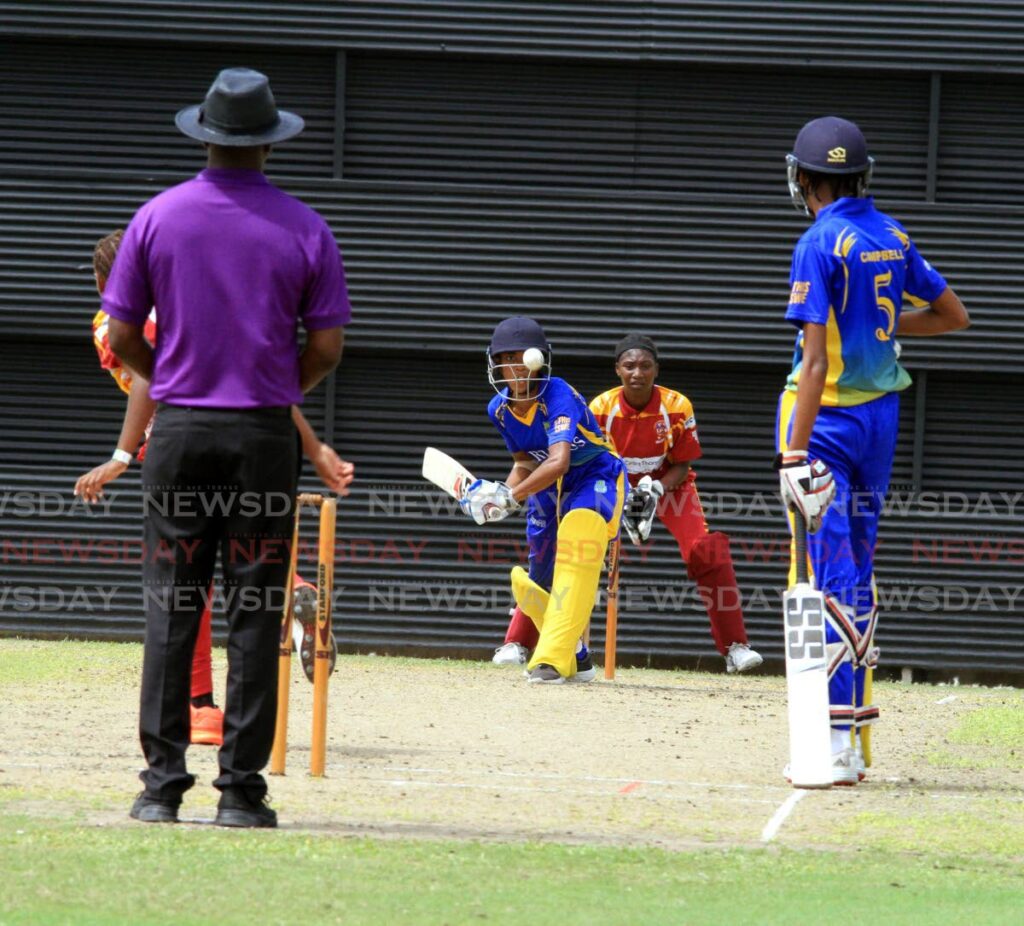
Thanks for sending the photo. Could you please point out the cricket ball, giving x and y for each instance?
(533, 359)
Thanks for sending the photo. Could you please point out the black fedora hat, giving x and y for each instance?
(239, 111)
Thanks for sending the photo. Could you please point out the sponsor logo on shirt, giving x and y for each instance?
(643, 464)
(561, 423)
(601, 486)
(798, 295)
(660, 432)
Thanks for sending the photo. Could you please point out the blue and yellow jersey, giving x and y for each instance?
(852, 270)
(560, 414)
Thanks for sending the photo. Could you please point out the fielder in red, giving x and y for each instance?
(655, 432)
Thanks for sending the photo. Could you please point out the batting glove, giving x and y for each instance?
(485, 501)
(806, 486)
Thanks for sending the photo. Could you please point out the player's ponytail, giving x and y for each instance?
(105, 251)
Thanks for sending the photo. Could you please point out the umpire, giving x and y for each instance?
(232, 265)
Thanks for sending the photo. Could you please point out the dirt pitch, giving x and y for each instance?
(438, 749)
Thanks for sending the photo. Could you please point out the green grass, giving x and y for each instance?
(33, 662)
(60, 873)
(987, 738)
(1000, 727)
(992, 828)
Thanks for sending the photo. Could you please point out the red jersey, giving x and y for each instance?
(650, 439)
(110, 361)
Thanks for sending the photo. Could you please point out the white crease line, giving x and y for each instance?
(772, 827)
(467, 786)
(555, 776)
(946, 700)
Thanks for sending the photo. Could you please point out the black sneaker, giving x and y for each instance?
(545, 675)
(585, 671)
(148, 809)
(235, 809)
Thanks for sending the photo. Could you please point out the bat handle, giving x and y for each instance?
(800, 537)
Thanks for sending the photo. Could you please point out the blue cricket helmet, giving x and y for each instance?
(829, 145)
(515, 334)
(518, 333)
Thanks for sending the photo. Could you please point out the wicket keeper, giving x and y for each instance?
(654, 430)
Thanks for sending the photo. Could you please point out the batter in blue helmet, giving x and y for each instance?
(838, 416)
(556, 443)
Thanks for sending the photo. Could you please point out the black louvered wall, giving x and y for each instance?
(601, 166)
(412, 572)
(711, 282)
(912, 34)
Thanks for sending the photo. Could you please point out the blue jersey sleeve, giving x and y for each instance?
(809, 291)
(566, 409)
(923, 283)
(496, 411)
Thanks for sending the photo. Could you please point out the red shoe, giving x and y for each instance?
(207, 725)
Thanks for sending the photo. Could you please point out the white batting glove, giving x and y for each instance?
(641, 506)
(485, 501)
(807, 487)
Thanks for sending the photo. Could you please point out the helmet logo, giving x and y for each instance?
(837, 155)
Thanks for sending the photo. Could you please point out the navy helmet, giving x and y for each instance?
(829, 145)
(515, 334)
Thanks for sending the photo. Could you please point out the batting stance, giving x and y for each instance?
(541, 540)
(554, 441)
(654, 430)
(838, 416)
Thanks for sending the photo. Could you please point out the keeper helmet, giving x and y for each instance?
(515, 334)
(831, 146)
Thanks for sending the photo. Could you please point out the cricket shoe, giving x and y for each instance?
(148, 809)
(304, 628)
(862, 769)
(511, 654)
(844, 768)
(543, 674)
(236, 808)
(585, 671)
(741, 658)
(207, 725)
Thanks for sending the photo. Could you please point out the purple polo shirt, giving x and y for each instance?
(232, 264)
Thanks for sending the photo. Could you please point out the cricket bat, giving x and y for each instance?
(810, 737)
(446, 473)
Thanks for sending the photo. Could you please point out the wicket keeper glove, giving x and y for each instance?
(486, 501)
(641, 506)
(807, 487)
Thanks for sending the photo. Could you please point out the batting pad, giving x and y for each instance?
(582, 542)
(530, 597)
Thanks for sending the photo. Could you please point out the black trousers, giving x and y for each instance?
(214, 479)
